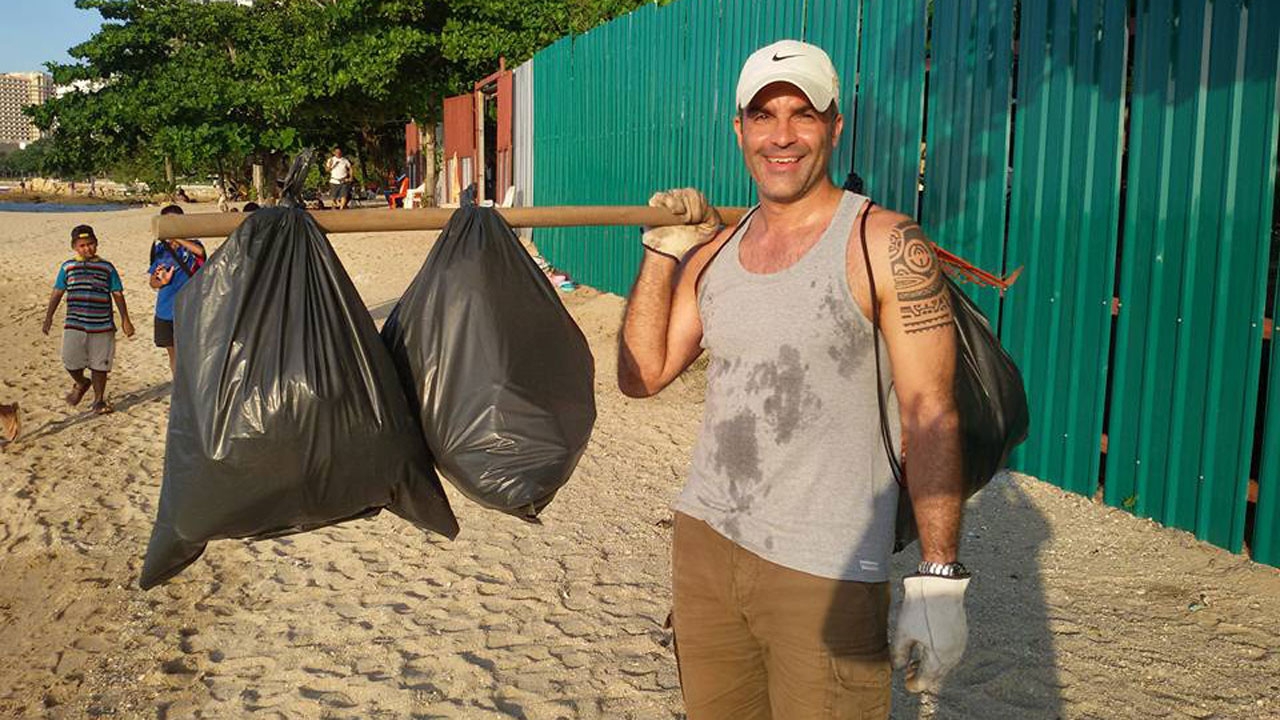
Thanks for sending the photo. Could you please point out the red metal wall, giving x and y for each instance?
(459, 126)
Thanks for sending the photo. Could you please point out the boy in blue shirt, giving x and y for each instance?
(173, 263)
(89, 331)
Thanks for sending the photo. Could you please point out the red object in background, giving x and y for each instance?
(460, 126)
(396, 199)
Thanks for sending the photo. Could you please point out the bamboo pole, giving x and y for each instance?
(210, 225)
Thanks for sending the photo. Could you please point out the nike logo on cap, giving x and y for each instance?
(777, 57)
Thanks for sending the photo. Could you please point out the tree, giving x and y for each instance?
(209, 87)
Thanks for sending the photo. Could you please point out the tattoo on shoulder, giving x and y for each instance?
(923, 300)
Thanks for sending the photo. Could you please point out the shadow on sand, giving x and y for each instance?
(1009, 669)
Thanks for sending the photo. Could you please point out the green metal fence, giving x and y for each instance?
(964, 202)
(1194, 267)
(1063, 217)
(1122, 151)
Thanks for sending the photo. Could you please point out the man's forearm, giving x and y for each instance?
(643, 348)
(935, 470)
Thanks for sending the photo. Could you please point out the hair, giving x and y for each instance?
(171, 210)
(250, 206)
(79, 230)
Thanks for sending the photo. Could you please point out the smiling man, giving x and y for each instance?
(782, 537)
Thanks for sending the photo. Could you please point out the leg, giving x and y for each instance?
(75, 358)
(721, 665)
(827, 640)
(100, 405)
(164, 339)
(78, 390)
(102, 350)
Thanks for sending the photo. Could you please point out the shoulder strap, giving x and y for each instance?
(885, 436)
(737, 227)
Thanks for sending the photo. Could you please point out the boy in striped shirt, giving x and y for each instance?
(89, 332)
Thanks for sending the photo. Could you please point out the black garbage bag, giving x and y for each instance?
(990, 399)
(287, 413)
(502, 377)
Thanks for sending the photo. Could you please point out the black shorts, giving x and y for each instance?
(164, 333)
(338, 191)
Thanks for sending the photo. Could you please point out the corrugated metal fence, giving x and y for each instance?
(1124, 152)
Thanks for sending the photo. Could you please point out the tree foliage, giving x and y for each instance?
(213, 86)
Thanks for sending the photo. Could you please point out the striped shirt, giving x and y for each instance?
(89, 284)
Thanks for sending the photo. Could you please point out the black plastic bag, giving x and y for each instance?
(990, 398)
(287, 413)
(502, 377)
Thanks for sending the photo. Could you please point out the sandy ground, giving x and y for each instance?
(1076, 610)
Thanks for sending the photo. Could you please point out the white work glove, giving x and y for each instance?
(674, 241)
(931, 632)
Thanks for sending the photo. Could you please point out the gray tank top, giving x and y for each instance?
(789, 463)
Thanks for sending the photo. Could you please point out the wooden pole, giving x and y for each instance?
(209, 225)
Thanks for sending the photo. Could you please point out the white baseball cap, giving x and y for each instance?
(808, 67)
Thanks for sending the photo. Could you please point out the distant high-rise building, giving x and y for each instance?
(18, 90)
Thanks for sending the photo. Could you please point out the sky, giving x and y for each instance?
(33, 32)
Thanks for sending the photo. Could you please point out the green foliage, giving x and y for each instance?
(26, 162)
(213, 87)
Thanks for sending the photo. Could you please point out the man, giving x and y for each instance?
(783, 532)
(173, 263)
(339, 179)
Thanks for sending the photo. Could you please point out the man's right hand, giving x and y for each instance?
(675, 241)
(48, 323)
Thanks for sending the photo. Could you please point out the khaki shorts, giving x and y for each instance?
(759, 641)
(82, 350)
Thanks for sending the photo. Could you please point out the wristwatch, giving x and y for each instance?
(946, 570)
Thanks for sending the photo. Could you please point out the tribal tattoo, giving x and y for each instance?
(923, 300)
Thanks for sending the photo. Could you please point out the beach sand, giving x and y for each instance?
(1076, 610)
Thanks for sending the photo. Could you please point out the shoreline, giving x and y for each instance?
(42, 198)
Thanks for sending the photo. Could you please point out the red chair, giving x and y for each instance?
(396, 199)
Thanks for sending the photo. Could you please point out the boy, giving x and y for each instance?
(173, 262)
(88, 336)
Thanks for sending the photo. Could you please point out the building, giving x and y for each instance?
(18, 90)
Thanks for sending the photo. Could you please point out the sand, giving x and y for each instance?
(1076, 611)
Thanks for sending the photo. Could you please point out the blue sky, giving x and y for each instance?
(33, 32)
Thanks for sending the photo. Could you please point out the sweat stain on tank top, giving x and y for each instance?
(789, 462)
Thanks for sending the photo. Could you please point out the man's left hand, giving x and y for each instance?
(932, 630)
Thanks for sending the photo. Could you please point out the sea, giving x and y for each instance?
(54, 207)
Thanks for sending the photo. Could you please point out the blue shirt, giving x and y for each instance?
(89, 284)
(164, 259)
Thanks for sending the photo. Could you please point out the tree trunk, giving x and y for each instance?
(428, 151)
(168, 170)
(259, 182)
